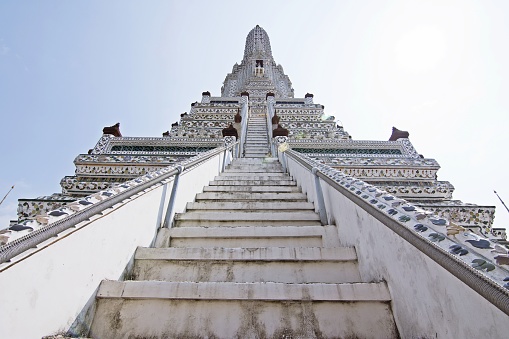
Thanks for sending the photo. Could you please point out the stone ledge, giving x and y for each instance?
(243, 291)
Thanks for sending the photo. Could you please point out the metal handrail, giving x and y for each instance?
(243, 130)
(31, 240)
(479, 282)
(270, 115)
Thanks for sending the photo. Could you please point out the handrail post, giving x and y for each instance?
(270, 114)
(282, 147)
(171, 203)
(224, 160)
(229, 144)
(319, 197)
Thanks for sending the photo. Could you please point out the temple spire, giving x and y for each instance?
(257, 44)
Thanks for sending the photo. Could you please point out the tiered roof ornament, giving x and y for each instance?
(258, 73)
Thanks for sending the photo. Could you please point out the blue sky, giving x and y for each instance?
(437, 69)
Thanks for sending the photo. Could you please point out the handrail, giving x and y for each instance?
(270, 115)
(243, 130)
(115, 195)
(486, 284)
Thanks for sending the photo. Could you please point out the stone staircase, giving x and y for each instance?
(257, 142)
(248, 259)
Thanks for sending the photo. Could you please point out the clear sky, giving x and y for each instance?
(438, 69)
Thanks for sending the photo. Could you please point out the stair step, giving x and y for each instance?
(268, 291)
(252, 193)
(248, 254)
(215, 318)
(267, 206)
(269, 167)
(248, 216)
(230, 175)
(254, 176)
(252, 183)
(255, 189)
(254, 171)
(276, 264)
(248, 236)
(261, 156)
(243, 161)
(256, 150)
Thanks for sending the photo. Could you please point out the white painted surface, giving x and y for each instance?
(427, 300)
(45, 292)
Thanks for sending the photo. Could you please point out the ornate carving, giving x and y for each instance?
(102, 144)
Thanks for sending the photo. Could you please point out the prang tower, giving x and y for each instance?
(260, 83)
(254, 216)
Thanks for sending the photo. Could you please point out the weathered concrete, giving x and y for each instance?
(252, 193)
(428, 301)
(276, 264)
(246, 218)
(243, 291)
(247, 236)
(243, 319)
(268, 189)
(232, 310)
(246, 265)
(251, 205)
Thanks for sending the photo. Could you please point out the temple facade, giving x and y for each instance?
(260, 84)
(254, 216)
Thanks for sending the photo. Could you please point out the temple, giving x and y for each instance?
(255, 215)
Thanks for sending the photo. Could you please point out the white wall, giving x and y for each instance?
(44, 293)
(427, 300)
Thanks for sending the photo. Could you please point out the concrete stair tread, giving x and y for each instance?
(256, 171)
(248, 216)
(275, 189)
(250, 205)
(250, 196)
(270, 291)
(248, 254)
(248, 231)
(258, 176)
(270, 160)
(252, 183)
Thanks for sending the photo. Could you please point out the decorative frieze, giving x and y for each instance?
(212, 116)
(30, 208)
(115, 170)
(349, 151)
(466, 215)
(440, 190)
(73, 186)
(102, 144)
(127, 159)
(302, 113)
(161, 146)
(323, 125)
(364, 148)
(206, 123)
(390, 173)
(376, 162)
